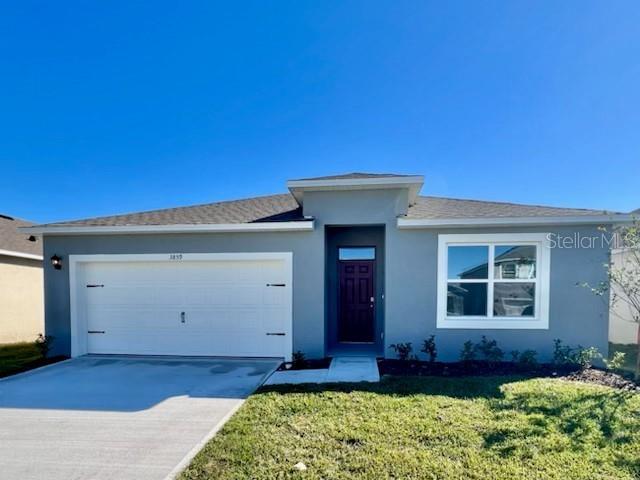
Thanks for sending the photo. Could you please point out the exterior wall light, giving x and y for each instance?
(56, 261)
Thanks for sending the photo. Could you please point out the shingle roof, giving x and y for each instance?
(283, 207)
(351, 176)
(438, 207)
(273, 208)
(13, 240)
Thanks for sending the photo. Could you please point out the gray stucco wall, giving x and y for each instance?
(308, 273)
(576, 316)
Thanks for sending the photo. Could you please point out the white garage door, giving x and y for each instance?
(183, 304)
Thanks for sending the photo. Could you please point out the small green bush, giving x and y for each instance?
(403, 350)
(528, 358)
(43, 344)
(468, 352)
(616, 362)
(584, 357)
(298, 360)
(429, 348)
(580, 356)
(489, 350)
(562, 354)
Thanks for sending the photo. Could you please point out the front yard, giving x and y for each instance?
(431, 428)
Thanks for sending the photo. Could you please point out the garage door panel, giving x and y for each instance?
(133, 321)
(272, 319)
(274, 296)
(228, 307)
(133, 295)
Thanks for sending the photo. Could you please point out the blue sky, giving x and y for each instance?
(108, 107)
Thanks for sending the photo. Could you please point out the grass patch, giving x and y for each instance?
(19, 357)
(431, 428)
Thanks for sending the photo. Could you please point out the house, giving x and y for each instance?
(21, 283)
(345, 264)
(623, 329)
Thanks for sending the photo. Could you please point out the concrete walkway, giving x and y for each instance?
(118, 418)
(342, 369)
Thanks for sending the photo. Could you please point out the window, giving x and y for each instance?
(493, 281)
(356, 253)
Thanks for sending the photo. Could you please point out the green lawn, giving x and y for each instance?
(431, 428)
(16, 357)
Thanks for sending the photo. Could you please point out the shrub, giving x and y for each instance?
(566, 355)
(43, 344)
(562, 354)
(403, 350)
(585, 357)
(616, 362)
(298, 360)
(468, 352)
(528, 358)
(489, 350)
(429, 348)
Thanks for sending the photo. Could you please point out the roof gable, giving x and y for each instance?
(351, 176)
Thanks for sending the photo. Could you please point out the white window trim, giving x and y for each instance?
(543, 275)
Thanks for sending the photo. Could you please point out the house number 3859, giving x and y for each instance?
(175, 256)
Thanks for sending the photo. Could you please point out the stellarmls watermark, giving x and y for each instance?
(608, 240)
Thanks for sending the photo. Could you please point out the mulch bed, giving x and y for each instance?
(475, 368)
(483, 368)
(314, 364)
(600, 377)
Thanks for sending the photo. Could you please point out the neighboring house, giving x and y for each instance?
(21, 283)
(345, 264)
(622, 328)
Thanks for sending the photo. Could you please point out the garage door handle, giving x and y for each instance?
(95, 286)
(276, 284)
(95, 331)
(279, 334)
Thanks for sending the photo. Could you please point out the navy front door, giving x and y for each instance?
(356, 298)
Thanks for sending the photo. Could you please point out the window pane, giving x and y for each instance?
(517, 261)
(357, 253)
(468, 262)
(467, 299)
(514, 299)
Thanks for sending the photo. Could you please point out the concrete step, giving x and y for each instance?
(342, 369)
(353, 369)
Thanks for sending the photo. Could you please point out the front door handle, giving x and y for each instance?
(183, 317)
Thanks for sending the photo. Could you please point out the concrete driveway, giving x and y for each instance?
(103, 417)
